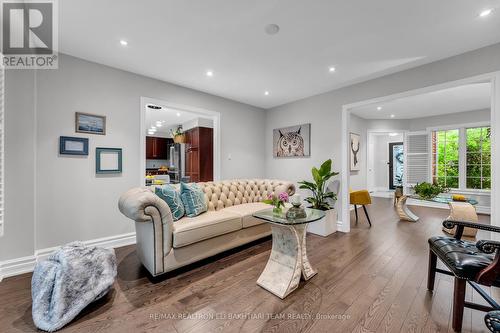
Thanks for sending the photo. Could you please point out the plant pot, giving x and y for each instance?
(326, 226)
(181, 138)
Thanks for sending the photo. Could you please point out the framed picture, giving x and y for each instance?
(108, 160)
(73, 146)
(293, 141)
(354, 146)
(90, 123)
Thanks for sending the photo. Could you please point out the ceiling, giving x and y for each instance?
(168, 117)
(179, 41)
(468, 97)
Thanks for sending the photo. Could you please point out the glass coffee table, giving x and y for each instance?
(288, 260)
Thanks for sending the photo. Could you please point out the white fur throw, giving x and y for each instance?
(73, 277)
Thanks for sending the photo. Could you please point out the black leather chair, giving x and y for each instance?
(492, 321)
(474, 263)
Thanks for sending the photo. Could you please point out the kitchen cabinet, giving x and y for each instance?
(200, 154)
(158, 148)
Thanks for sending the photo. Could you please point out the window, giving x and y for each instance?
(445, 157)
(461, 157)
(478, 160)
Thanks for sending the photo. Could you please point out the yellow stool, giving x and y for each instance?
(361, 197)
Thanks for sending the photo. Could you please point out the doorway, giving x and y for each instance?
(181, 154)
(396, 163)
(420, 151)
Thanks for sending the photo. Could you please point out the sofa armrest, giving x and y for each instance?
(284, 186)
(154, 226)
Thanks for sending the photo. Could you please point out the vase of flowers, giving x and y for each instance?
(278, 202)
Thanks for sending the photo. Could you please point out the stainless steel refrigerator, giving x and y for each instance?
(177, 163)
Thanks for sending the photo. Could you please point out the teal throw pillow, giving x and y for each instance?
(193, 199)
(173, 199)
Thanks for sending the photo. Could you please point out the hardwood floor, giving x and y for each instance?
(370, 280)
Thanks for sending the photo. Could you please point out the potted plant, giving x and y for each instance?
(320, 198)
(178, 135)
(428, 191)
(278, 202)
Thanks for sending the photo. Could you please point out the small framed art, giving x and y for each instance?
(73, 146)
(108, 160)
(90, 123)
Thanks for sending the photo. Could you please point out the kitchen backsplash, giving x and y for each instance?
(155, 164)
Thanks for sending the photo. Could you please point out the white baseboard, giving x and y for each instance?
(16, 266)
(22, 265)
(341, 227)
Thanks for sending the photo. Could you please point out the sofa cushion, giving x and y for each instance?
(173, 199)
(193, 199)
(246, 211)
(189, 230)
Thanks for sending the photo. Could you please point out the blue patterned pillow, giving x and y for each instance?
(173, 199)
(193, 199)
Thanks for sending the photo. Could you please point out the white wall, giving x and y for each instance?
(324, 111)
(52, 200)
(358, 178)
(381, 158)
(450, 119)
(20, 136)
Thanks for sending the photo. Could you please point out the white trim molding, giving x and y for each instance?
(217, 132)
(26, 264)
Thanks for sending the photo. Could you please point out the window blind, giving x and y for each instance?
(417, 158)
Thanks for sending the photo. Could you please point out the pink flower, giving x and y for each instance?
(270, 197)
(283, 197)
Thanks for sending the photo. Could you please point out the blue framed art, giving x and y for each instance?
(73, 146)
(108, 160)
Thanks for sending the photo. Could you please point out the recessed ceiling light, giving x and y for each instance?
(486, 12)
(158, 124)
(178, 114)
(392, 116)
(331, 69)
(153, 128)
(266, 93)
(210, 73)
(379, 108)
(393, 134)
(123, 42)
(272, 29)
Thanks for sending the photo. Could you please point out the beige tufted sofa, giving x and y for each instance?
(164, 245)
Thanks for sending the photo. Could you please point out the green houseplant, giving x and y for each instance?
(428, 191)
(319, 197)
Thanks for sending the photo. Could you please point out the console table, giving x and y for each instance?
(459, 211)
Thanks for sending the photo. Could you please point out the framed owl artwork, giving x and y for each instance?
(293, 141)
